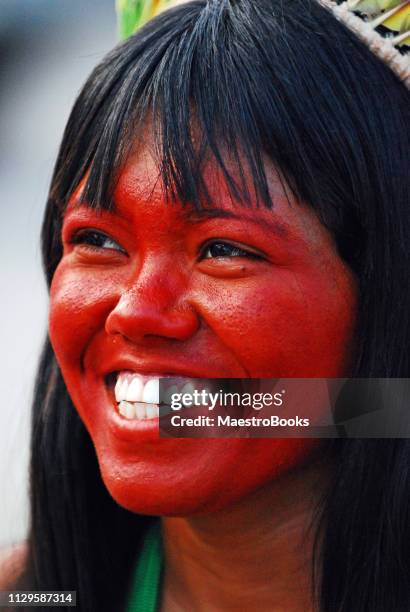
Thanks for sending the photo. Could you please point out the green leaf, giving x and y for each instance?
(132, 14)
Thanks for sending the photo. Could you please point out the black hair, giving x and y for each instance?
(267, 79)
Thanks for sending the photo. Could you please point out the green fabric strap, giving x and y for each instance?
(147, 576)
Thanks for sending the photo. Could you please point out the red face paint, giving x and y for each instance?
(155, 294)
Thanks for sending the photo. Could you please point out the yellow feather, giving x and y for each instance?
(372, 7)
(400, 21)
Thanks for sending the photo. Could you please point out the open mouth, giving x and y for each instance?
(150, 397)
(137, 396)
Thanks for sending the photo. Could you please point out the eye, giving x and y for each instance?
(94, 239)
(225, 249)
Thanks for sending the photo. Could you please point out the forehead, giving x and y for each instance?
(140, 190)
(140, 196)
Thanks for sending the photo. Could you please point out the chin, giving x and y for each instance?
(206, 477)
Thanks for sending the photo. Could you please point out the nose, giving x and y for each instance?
(154, 304)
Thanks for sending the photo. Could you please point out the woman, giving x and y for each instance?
(230, 200)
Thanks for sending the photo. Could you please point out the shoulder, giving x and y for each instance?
(12, 561)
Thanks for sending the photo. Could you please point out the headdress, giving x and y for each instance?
(133, 14)
(383, 25)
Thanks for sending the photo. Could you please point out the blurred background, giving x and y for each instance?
(47, 49)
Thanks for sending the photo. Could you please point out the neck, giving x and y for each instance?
(255, 555)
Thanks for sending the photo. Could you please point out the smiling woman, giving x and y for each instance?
(223, 206)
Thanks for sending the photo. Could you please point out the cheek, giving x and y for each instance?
(287, 325)
(79, 305)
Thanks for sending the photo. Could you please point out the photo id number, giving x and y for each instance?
(16, 599)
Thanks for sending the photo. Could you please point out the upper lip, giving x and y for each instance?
(154, 368)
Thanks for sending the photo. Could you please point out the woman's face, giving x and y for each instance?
(154, 289)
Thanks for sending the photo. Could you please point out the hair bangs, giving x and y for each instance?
(184, 74)
(214, 83)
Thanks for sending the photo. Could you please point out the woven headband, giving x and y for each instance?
(383, 25)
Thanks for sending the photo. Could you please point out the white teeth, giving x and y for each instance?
(131, 387)
(137, 396)
(135, 399)
(150, 394)
(121, 388)
(134, 391)
(152, 411)
(127, 410)
(188, 388)
(121, 408)
(140, 409)
(169, 393)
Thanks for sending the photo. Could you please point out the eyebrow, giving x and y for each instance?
(198, 216)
